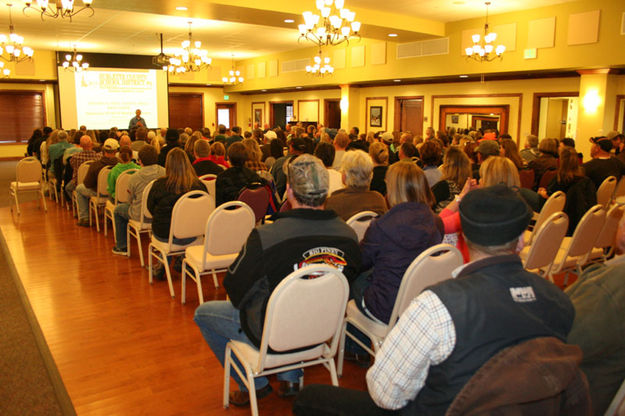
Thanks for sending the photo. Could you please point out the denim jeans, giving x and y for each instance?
(82, 195)
(219, 323)
(69, 189)
(121, 224)
(357, 293)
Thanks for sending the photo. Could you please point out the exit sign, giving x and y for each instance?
(226, 97)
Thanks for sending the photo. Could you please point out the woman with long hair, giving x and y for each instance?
(546, 160)
(379, 155)
(456, 169)
(510, 150)
(395, 239)
(254, 156)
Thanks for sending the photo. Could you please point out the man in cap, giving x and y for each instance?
(272, 251)
(453, 328)
(89, 187)
(484, 150)
(603, 164)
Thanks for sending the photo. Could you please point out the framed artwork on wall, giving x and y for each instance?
(375, 116)
(258, 116)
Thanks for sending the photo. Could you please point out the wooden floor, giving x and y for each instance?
(122, 346)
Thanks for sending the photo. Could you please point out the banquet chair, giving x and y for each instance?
(80, 178)
(604, 245)
(99, 199)
(605, 191)
(298, 337)
(209, 181)
(28, 178)
(546, 243)
(555, 203)
(617, 406)
(620, 188)
(121, 196)
(226, 231)
(360, 222)
(432, 266)
(257, 199)
(144, 225)
(190, 210)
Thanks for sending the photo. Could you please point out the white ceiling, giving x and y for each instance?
(132, 27)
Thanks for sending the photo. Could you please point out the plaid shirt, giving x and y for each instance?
(255, 165)
(79, 158)
(424, 336)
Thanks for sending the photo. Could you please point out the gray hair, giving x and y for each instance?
(357, 168)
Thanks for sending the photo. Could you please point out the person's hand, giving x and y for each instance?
(542, 192)
(469, 185)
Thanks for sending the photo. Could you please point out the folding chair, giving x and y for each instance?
(606, 191)
(432, 266)
(121, 196)
(290, 326)
(80, 178)
(27, 179)
(257, 199)
(360, 222)
(99, 199)
(189, 211)
(555, 203)
(226, 231)
(144, 225)
(604, 246)
(617, 406)
(546, 243)
(209, 181)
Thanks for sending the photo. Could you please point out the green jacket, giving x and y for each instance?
(115, 172)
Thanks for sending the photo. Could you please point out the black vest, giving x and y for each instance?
(494, 303)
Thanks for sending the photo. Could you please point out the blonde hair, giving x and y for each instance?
(190, 143)
(357, 169)
(179, 172)
(406, 182)
(456, 166)
(499, 169)
(379, 153)
(253, 150)
(156, 143)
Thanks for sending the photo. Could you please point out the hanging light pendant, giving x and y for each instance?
(333, 24)
(483, 49)
(190, 57)
(321, 66)
(74, 62)
(12, 48)
(234, 75)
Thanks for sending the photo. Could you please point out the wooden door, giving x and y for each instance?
(186, 110)
(332, 114)
(409, 114)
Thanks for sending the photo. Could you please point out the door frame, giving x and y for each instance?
(398, 100)
(233, 112)
(503, 110)
(617, 112)
(536, 105)
(271, 103)
(326, 101)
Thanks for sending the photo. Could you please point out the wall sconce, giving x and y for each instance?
(591, 101)
(344, 104)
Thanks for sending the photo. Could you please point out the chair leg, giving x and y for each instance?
(150, 262)
(43, 200)
(198, 280)
(341, 354)
(252, 392)
(215, 280)
(96, 213)
(227, 359)
(127, 241)
(168, 273)
(140, 249)
(183, 282)
(333, 377)
(17, 203)
(105, 225)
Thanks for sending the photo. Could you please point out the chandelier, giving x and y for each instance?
(13, 45)
(188, 58)
(332, 26)
(318, 69)
(234, 75)
(4, 71)
(62, 8)
(483, 48)
(74, 62)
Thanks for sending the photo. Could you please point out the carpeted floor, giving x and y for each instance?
(29, 380)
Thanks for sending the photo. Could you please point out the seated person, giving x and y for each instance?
(326, 152)
(202, 164)
(231, 182)
(149, 171)
(379, 155)
(452, 328)
(125, 157)
(271, 252)
(357, 171)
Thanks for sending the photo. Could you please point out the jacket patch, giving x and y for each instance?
(323, 255)
(523, 294)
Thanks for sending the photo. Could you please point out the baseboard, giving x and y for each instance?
(11, 158)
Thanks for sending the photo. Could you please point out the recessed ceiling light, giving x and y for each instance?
(392, 35)
(397, 80)
(182, 8)
(464, 76)
(264, 90)
(289, 21)
(298, 88)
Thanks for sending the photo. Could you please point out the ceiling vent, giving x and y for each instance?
(294, 66)
(423, 48)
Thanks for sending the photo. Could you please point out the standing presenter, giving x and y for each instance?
(137, 121)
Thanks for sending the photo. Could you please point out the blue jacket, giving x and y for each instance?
(390, 244)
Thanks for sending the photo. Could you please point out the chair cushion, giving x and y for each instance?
(193, 255)
(99, 200)
(109, 205)
(164, 247)
(250, 354)
(361, 321)
(138, 226)
(25, 186)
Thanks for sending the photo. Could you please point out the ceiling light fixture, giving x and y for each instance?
(289, 21)
(189, 58)
(182, 8)
(4, 71)
(482, 50)
(12, 47)
(397, 80)
(392, 35)
(234, 76)
(321, 66)
(74, 62)
(332, 26)
(62, 8)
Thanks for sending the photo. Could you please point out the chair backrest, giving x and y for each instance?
(209, 181)
(103, 177)
(191, 209)
(587, 231)
(527, 177)
(121, 186)
(360, 222)
(28, 170)
(555, 203)
(431, 266)
(617, 406)
(227, 229)
(605, 191)
(608, 232)
(547, 241)
(304, 312)
(82, 171)
(620, 188)
(257, 199)
(145, 212)
(547, 178)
